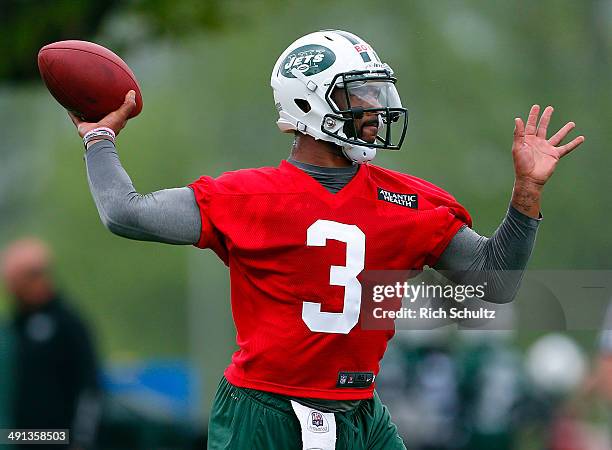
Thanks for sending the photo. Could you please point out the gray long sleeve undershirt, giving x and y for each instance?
(498, 261)
(172, 216)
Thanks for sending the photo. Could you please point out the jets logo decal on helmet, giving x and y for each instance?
(332, 85)
(309, 60)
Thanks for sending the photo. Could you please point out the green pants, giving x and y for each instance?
(246, 419)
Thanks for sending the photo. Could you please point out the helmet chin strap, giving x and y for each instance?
(359, 154)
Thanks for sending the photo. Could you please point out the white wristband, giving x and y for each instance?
(99, 133)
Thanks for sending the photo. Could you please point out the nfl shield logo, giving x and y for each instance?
(317, 422)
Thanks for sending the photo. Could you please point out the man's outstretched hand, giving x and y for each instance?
(115, 120)
(536, 157)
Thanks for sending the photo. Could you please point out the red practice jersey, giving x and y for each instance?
(295, 252)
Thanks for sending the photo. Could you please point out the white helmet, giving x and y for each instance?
(314, 82)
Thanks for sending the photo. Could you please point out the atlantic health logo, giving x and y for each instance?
(407, 200)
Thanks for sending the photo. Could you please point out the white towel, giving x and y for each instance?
(318, 428)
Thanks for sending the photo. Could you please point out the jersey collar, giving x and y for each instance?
(303, 181)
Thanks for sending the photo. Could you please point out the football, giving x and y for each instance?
(86, 78)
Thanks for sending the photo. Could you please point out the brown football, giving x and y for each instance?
(86, 78)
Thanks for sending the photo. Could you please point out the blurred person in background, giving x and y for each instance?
(601, 381)
(496, 398)
(597, 385)
(456, 390)
(55, 383)
(419, 383)
(558, 369)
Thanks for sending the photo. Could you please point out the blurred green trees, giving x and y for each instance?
(27, 25)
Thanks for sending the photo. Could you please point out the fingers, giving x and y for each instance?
(544, 121)
(532, 120)
(565, 149)
(78, 123)
(560, 135)
(75, 120)
(519, 134)
(128, 106)
(117, 119)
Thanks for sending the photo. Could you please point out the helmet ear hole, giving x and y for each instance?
(302, 104)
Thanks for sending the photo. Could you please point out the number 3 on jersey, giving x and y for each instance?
(327, 322)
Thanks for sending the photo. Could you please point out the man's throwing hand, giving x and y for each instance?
(115, 120)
